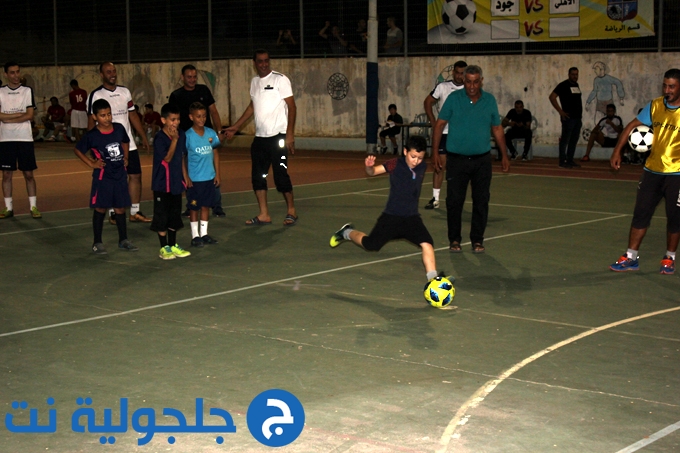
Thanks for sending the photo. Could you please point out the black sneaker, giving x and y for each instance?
(197, 242)
(219, 212)
(208, 240)
(432, 204)
(573, 164)
(383, 150)
(525, 158)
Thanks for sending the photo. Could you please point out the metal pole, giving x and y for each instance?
(127, 28)
(660, 37)
(54, 15)
(372, 80)
(406, 28)
(209, 30)
(302, 30)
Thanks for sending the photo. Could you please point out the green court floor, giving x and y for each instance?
(547, 350)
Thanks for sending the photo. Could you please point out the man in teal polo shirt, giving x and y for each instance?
(473, 114)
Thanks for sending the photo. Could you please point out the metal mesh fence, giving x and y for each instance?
(54, 32)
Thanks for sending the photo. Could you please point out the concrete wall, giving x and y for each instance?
(403, 81)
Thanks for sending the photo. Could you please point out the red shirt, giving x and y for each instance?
(153, 118)
(56, 113)
(78, 99)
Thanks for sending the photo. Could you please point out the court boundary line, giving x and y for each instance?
(287, 279)
(653, 438)
(461, 417)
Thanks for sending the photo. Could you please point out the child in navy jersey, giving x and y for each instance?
(400, 219)
(169, 150)
(105, 149)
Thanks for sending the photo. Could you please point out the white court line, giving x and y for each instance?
(653, 438)
(462, 416)
(261, 285)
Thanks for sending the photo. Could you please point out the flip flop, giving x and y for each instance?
(290, 220)
(477, 247)
(454, 247)
(255, 221)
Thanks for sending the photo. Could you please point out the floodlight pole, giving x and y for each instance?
(372, 81)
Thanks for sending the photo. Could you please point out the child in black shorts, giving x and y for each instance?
(109, 144)
(400, 219)
(169, 149)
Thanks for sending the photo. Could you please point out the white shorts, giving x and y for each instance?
(78, 119)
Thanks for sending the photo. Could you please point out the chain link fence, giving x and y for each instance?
(52, 32)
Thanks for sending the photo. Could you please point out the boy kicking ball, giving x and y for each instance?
(400, 219)
(109, 144)
(169, 149)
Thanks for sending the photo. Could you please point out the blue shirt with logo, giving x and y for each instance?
(107, 146)
(200, 154)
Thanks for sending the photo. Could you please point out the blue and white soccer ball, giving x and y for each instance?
(641, 139)
(459, 15)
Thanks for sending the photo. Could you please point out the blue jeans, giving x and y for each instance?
(571, 129)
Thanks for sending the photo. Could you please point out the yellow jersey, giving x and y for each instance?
(665, 155)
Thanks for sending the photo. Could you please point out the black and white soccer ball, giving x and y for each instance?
(641, 139)
(459, 15)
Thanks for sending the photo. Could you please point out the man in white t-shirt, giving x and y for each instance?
(17, 107)
(438, 96)
(272, 104)
(606, 132)
(123, 111)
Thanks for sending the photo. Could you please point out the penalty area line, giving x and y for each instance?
(648, 440)
(462, 416)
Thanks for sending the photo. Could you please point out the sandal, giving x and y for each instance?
(454, 247)
(255, 221)
(290, 220)
(477, 247)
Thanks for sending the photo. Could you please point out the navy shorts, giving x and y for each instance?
(134, 166)
(390, 132)
(167, 212)
(391, 227)
(268, 152)
(201, 195)
(22, 153)
(651, 189)
(109, 193)
(609, 142)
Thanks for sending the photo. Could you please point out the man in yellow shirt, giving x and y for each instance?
(661, 175)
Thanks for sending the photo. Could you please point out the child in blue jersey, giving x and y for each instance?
(108, 144)
(169, 149)
(202, 173)
(400, 219)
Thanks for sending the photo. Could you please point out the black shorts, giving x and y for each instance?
(390, 132)
(109, 193)
(21, 152)
(167, 212)
(392, 227)
(134, 166)
(268, 152)
(442, 145)
(201, 195)
(651, 189)
(609, 142)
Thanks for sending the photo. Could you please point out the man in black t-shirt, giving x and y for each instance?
(570, 109)
(519, 120)
(186, 95)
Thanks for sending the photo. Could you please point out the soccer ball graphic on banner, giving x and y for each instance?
(459, 15)
(641, 139)
(439, 292)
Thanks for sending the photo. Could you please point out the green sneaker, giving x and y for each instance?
(6, 214)
(35, 213)
(338, 237)
(166, 253)
(179, 252)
